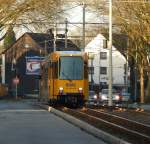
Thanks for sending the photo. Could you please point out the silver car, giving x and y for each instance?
(103, 95)
(125, 95)
(93, 97)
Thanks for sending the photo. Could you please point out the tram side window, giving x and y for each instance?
(85, 70)
(55, 69)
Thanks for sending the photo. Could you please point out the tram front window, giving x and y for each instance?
(71, 68)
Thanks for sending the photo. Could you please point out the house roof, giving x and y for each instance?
(41, 38)
(119, 41)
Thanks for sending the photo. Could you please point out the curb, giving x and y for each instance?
(87, 127)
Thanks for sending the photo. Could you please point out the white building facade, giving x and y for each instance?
(100, 63)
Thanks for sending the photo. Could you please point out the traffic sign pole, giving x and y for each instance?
(16, 92)
(16, 82)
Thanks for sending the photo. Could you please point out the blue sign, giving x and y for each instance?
(33, 65)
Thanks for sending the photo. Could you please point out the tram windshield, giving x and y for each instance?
(71, 68)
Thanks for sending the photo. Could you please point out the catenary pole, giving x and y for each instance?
(55, 35)
(66, 30)
(110, 55)
(83, 29)
(3, 69)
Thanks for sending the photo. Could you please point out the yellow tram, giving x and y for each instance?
(64, 78)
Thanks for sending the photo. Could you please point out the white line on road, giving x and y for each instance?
(21, 110)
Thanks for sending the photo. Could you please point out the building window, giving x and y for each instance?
(103, 70)
(27, 45)
(104, 43)
(103, 55)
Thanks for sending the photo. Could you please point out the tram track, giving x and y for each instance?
(128, 130)
(131, 131)
(141, 112)
(134, 125)
(135, 114)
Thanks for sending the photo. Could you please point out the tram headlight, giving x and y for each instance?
(117, 97)
(95, 96)
(104, 97)
(61, 89)
(80, 90)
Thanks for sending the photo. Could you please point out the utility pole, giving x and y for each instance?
(99, 68)
(91, 57)
(16, 85)
(126, 74)
(55, 35)
(45, 48)
(135, 77)
(110, 55)
(3, 69)
(66, 30)
(92, 72)
(127, 65)
(83, 29)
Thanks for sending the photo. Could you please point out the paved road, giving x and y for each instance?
(22, 123)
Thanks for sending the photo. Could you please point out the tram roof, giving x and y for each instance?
(64, 53)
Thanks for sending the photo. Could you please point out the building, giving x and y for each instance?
(34, 46)
(98, 64)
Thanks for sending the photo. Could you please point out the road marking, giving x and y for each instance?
(21, 110)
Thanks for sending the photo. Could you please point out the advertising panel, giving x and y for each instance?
(33, 65)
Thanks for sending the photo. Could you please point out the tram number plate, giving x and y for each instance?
(70, 84)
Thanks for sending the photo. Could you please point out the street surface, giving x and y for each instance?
(23, 123)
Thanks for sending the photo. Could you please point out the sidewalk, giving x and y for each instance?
(146, 106)
(142, 106)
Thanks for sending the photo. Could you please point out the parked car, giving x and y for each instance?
(125, 95)
(104, 94)
(93, 97)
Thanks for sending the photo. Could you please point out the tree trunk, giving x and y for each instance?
(147, 96)
(142, 84)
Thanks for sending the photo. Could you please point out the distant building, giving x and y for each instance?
(99, 65)
(32, 45)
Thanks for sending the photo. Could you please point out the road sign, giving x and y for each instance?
(16, 80)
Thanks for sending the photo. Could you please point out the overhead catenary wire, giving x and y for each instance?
(132, 1)
(62, 11)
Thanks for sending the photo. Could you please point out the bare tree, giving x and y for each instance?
(133, 19)
(25, 12)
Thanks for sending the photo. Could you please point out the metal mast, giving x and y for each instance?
(110, 54)
(83, 30)
(66, 30)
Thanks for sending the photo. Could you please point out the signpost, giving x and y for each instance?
(16, 82)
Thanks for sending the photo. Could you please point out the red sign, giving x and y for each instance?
(16, 80)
